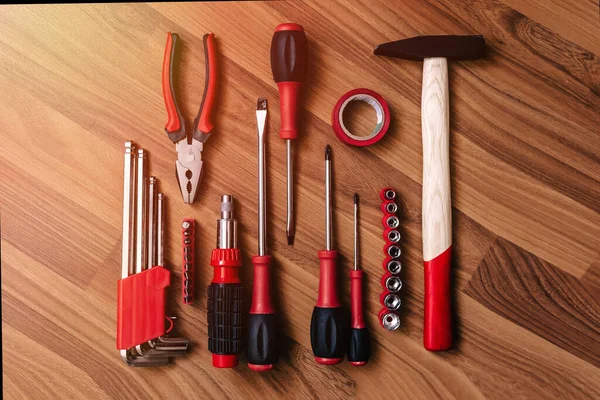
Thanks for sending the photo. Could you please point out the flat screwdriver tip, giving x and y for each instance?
(290, 240)
(355, 198)
(328, 152)
(261, 104)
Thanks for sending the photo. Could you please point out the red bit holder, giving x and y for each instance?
(188, 260)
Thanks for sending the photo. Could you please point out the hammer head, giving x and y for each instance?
(451, 47)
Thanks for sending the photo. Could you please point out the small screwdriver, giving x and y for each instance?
(329, 321)
(262, 324)
(360, 342)
(289, 62)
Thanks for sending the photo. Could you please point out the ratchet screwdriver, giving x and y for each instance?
(329, 321)
(225, 292)
(289, 62)
(262, 328)
(360, 343)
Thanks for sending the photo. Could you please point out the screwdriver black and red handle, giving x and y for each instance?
(225, 292)
(225, 308)
(359, 348)
(289, 63)
(262, 324)
(329, 322)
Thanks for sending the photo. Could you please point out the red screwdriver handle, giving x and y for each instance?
(356, 299)
(359, 348)
(262, 325)
(261, 293)
(289, 63)
(328, 297)
(329, 322)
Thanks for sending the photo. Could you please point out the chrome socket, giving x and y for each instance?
(390, 321)
(394, 266)
(392, 222)
(393, 236)
(394, 251)
(392, 301)
(393, 284)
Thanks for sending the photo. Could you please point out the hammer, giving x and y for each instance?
(435, 51)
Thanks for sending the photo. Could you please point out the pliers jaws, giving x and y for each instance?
(189, 158)
(189, 168)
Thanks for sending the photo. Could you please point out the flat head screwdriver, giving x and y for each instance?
(359, 348)
(329, 323)
(262, 329)
(289, 63)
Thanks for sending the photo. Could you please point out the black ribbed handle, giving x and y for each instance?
(262, 339)
(289, 54)
(225, 318)
(328, 332)
(359, 348)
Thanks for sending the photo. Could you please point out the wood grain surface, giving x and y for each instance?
(76, 81)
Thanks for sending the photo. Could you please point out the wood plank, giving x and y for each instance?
(534, 294)
(572, 19)
(517, 359)
(591, 279)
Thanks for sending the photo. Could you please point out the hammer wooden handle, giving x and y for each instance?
(437, 209)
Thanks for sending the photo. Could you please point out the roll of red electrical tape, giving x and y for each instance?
(374, 100)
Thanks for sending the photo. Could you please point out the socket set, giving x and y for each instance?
(187, 276)
(391, 282)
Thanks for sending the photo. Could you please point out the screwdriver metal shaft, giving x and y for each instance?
(261, 117)
(290, 225)
(356, 231)
(328, 198)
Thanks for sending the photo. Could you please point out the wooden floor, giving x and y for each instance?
(77, 81)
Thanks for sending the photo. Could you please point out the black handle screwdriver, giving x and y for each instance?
(329, 322)
(359, 349)
(262, 324)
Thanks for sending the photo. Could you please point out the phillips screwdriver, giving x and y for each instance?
(289, 62)
(225, 292)
(329, 321)
(262, 329)
(360, 342)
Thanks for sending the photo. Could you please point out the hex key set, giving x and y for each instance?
(142, 334)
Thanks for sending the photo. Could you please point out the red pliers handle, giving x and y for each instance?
(203, 123)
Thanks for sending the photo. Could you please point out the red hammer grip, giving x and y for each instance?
(437, 334)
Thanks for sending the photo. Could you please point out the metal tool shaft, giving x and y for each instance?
(141, 213)
(290, 227)
(226, 225)
(160, 229)
(127, 255)
(261, 117)
(328, 215)
(152, 189)
(355, 231)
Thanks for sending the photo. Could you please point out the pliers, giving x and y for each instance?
(189, 159)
